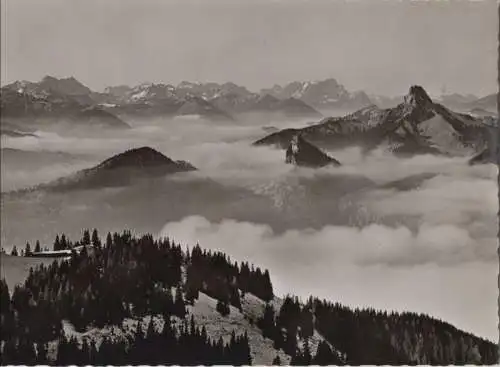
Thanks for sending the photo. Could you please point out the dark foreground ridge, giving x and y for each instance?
(127, 278)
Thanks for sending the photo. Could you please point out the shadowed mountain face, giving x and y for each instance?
(418, 125)
(121, 170)
(488, 155)
(302, 153)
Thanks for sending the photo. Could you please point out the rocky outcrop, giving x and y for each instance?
(302, 153)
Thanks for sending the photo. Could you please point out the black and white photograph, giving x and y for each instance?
(249, 182)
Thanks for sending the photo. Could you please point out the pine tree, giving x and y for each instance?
(86, 238)
(10, 354)
(85, 354)
(63, 243)
(267, 291)
(296, 359)
(4, 296)
(41, 354)
(26, 351)
(325, 356)
(38, 248)
(109, 241)
(27, 250)
(62, 358)
(222, 308)
(96, 241)
(179, 304)
(14, 251)
(150, 333)
(57, 244)
(306, 357)
(267, 323)
(306, 323)
(93, 354)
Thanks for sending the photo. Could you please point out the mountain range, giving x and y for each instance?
(52, 102)
(325, 94)
(69, 103)
(417, 125)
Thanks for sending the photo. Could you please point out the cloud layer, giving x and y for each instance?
(376, 266)
(381, 231)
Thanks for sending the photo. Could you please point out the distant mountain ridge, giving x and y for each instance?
(323, 94)
(62, 102)
(210, 100)
(56, 98)
(68, 101)
(417, 125)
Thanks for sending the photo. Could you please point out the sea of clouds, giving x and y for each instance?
(431, 246)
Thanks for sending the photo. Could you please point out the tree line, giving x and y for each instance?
(124, 276)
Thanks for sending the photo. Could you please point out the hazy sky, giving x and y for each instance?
(379, 46)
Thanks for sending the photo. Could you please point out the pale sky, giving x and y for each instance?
(379, 46)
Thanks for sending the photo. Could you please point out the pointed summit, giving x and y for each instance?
(137, 157)
(417, 96)
(302, 153)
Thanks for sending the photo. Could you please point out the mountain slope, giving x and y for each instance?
(418, 125)
(173, 293)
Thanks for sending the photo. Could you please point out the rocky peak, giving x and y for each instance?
(68, 86)
(417, 105)
(302, 153)
(417, 96)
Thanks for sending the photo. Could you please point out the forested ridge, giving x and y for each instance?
(127, 277)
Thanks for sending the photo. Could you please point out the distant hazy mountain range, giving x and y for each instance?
(323, 94)
(53, 102)
(67, 103)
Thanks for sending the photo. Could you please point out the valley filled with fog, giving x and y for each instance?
(379, 231)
